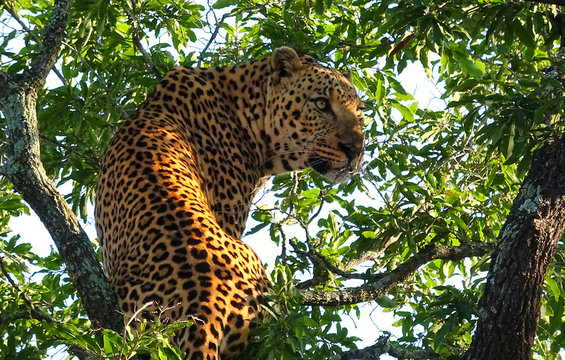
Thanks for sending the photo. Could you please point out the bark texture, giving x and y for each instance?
(510, 306)
(18, 103)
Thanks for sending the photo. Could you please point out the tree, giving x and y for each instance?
(434, 200)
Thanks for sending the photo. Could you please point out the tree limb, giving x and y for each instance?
(53, 33)
(369, 255)
(384, 346)
(385, 281)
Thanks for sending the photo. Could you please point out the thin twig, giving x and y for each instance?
(322, 198)
(212, 38)
(137, 42)
(35, 313)
(101, 81)
(284, 242)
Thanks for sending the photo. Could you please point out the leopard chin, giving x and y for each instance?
(338, 175)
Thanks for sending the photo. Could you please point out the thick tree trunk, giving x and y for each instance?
(18, 103)
(510, 306)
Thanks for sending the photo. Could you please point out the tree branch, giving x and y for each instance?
(369, 255)
(53, 33)
(385, 281)
(212, 37)
(384, 346)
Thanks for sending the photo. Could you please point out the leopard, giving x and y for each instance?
(178, 178)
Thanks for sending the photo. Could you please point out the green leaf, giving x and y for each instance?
(555, 290)
(406, 113)
(386, 302)
(460, 223)
(220, 4)
(525, 35)
(469, 67)
(108, 348)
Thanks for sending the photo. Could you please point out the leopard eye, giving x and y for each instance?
(323, 104)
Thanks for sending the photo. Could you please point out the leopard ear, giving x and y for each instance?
(285, 62)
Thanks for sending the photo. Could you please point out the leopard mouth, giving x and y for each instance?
(319, 164)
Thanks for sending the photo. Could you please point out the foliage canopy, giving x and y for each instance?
(441, 175)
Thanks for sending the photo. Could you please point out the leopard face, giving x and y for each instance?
(315, 119)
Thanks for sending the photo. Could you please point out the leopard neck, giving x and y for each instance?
(223, 109)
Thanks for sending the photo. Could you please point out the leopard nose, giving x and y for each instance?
(350, 150)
